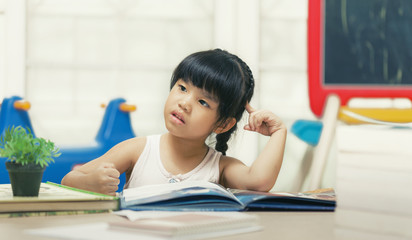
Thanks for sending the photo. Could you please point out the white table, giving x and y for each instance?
(277, 225)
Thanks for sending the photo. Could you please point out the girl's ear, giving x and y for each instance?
(225, 126)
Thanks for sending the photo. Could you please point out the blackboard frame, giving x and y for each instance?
(318, 90)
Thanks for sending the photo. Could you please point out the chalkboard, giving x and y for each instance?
(359, 48)
(368, 42)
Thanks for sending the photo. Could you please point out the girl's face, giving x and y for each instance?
(190, 112)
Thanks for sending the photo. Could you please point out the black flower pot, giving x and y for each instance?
(25, 179)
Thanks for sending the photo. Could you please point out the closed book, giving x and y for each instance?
(192, 225)
(58, 198)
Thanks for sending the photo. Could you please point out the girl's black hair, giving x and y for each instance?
(225, 76)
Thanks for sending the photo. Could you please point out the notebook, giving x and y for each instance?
(191, 225)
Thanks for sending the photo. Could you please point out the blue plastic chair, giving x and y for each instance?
(115, 127)
(10, 115)
(308, 131)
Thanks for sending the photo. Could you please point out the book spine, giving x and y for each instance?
(51, 213)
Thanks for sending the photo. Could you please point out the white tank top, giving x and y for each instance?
(149, 168)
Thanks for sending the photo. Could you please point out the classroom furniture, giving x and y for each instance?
(373, 180)
(356, 49)
(277, 225)
(14, 111)
(115, 127)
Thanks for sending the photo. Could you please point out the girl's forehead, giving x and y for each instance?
(208, 94)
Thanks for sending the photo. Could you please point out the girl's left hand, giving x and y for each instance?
(263, 121)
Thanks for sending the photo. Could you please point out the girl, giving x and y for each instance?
(209, 92)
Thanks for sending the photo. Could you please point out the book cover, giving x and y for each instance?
(283, 201)
(55, 197)
(206, 196)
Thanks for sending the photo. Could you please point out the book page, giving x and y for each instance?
(159, 189)
(135, 215)
(189, 223)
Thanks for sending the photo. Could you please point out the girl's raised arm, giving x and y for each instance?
(262, 174)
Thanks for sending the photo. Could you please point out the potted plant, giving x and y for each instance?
(27, 158)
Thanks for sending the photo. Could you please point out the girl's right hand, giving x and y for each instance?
(263, 121)
(104, 179)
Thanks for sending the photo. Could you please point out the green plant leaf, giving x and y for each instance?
(19, 145)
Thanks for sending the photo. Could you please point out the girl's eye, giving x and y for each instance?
(182, 88)
(203, 103)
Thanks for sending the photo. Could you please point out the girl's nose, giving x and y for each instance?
(185, 106)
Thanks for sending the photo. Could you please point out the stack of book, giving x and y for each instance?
(54, 199)
(374, 180)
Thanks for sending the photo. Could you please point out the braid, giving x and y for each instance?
(223, 138)
(249, 76)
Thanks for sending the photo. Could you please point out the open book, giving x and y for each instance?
(206, 196)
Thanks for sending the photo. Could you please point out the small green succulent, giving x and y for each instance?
(19, 146)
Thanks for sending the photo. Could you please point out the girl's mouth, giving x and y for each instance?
(177, 118)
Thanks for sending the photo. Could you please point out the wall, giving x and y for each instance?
(2, 47)
(75, 55)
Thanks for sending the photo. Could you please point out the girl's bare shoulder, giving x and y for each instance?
(136, 143)
(227, 160)
(138, 140)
